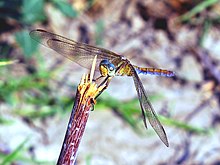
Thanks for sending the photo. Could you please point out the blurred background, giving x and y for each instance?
(38, 86)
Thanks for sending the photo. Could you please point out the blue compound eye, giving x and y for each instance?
(111, 67)
(107, 68)
(104, 62)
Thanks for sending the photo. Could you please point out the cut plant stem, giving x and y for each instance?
(84, 102)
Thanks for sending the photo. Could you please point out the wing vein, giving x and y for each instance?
(147, 109)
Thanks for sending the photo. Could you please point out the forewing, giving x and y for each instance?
(147, 109)
(81, 53)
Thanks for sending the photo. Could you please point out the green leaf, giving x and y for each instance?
(197, 9)
(184, 126)
(33, 11)
(27, 45)
(100, 27)
(12, 156)
(66, 8)
(2, 63)
(4, 121)
(206, 27)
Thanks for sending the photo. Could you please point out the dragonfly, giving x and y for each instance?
(109, 64)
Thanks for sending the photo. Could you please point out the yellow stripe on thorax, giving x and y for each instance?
(124, 70)
(103, 71)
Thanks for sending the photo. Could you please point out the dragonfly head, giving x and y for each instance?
(107, 68)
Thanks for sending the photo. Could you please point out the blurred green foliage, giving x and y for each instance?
(34, 90)
(18, 155)
(28, 12)
(65, 8)
(6, 62)
(32, 11)
(130, 112)
(207, 20)
(99, 32)
(29, 96)
(27, 45)
(15, 154)
(197, 9)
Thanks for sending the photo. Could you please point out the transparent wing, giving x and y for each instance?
(81, 53)
(147, 109)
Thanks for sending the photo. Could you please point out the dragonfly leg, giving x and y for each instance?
(98, 78)
(106, 83)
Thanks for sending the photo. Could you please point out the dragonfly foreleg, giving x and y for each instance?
(105, 82)
(97, 79)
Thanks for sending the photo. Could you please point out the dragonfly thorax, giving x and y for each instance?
(107, 68)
